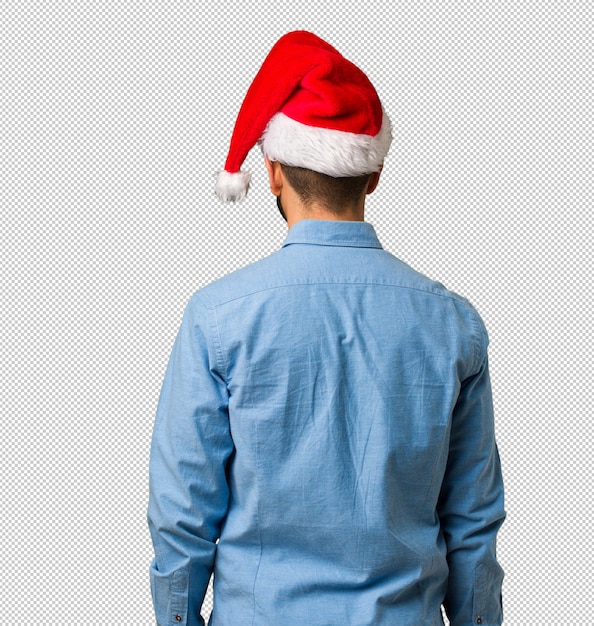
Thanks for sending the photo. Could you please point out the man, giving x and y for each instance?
(324, 440)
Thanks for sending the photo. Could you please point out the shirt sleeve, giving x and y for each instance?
(471, 507)
(188, 495)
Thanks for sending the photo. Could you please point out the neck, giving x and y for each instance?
(293, 210)
(343, 216)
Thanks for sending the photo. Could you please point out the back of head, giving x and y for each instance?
(332, 193)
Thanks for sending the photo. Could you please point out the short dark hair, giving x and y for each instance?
(333, 193)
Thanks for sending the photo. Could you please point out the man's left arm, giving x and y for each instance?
(189, 494)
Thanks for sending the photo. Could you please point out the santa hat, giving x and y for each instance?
(308, 107)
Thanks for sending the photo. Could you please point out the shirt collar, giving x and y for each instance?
(333, 233)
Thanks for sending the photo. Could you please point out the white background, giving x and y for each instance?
(114, 117)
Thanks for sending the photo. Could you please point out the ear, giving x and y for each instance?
(373, 181)
(275, 176)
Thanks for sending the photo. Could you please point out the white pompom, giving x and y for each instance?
(232, 187)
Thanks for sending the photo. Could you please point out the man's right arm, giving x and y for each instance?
(471, 507)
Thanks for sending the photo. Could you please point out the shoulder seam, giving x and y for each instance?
(215, 331)
(433, 292)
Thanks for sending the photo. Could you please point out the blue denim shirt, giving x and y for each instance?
(324, 444)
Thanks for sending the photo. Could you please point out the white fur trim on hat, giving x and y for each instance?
(232, 187)
(332, 152)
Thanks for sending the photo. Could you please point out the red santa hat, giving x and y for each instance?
(308, 107)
